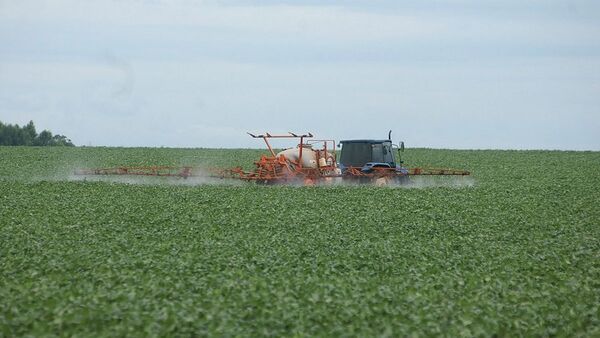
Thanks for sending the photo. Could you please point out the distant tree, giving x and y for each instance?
(3, 134)
(13, 135)
(29, 133)
(61, 140)
(10, 135)
(43, 139)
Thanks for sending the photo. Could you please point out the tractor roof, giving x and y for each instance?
(365, 141)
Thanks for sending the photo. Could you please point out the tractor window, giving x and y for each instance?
(377, 152)
(356, 154)
(388, 154)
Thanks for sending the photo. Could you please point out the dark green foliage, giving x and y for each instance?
(13, 135)
(518, 254)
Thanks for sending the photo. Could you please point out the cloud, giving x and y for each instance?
(327, 21)
(443, 73)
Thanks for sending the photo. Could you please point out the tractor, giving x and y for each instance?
(372, 156)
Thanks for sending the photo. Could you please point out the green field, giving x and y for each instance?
(517, 253)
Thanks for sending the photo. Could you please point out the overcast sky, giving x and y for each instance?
(513, 74)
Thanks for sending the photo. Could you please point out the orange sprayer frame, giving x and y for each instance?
(267, 136)
(274, 169)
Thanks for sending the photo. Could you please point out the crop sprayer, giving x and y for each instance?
(312, 161)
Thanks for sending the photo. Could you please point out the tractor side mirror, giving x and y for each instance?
(402, 146)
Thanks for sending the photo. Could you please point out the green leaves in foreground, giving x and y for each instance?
(516, 254)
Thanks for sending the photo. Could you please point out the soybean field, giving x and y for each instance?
(513, 250)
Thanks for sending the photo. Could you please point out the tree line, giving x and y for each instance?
(13, 135)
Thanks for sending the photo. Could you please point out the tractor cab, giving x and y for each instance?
(369, 154)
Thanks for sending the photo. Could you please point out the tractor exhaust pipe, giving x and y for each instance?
(390, 135)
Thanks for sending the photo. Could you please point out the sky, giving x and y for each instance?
(511, 74)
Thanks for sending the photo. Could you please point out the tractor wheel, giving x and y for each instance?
(382, 181)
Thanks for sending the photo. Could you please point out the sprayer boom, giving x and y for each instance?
(184, 172)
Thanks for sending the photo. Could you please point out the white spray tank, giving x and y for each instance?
(309, 157)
